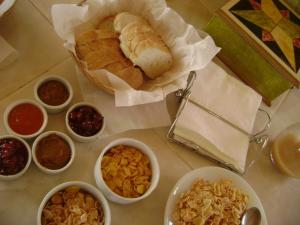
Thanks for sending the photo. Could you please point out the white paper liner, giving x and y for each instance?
(121, 119)
(189, 50)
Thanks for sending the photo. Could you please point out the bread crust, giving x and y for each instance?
(93, 35)
(125, 35)
(142, 45)
(100, 49)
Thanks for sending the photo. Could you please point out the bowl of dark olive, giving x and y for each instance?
(15, 157)
(84, 122)
(54, 93)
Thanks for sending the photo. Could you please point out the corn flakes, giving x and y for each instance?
(127, 171)
(72, 206)
(209, 203)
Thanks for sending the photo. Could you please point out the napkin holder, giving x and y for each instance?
(259, 138)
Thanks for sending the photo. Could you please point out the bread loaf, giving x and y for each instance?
(107, 24)
(100, 49)
(102, 57)
(132, 75)
(124, 18)
(84, 49)
(126, 71)
(142, 45)
(93, 35)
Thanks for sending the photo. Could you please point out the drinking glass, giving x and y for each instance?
(285, 151)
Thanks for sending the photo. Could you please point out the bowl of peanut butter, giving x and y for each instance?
(53, 152)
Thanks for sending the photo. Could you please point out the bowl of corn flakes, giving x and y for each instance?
(210, 195)
(126, 171)
(74, 202)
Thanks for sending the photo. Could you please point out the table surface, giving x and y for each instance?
(27, 27)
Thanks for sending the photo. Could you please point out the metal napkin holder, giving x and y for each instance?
(260, 138)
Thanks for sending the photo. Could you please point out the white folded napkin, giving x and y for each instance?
(225, 139)
(7, 54)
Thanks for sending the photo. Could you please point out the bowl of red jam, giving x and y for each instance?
(54, 93)
(53, 152)
(84, 122)
(25, 118)
(15, 157)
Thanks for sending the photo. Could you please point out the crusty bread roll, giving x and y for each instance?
(124, 18)
(100, 49)
(132, 75)
(93, 35)
(102, 57)
(132, 35)
(107, 24)
(118, 66)
(84, 49)
(142, 45)
(153, 59)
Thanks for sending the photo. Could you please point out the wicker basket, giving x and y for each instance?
(104, 84)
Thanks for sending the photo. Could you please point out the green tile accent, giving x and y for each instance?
(248, 64)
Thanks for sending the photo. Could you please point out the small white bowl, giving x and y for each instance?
(5, 6)
(18, 102)
(20, 173)
(76, 136)
(112, 196)
(51, 108)
(63, 136)
(85, 186)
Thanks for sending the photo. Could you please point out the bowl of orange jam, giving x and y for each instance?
(25, 118)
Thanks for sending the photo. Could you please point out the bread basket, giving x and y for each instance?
(104, 84)
(101, 83)
(189, 50)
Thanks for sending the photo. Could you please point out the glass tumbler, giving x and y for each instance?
(285, 151)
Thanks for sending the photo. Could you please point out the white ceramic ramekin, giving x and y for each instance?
(112, 196)
(85, 186)
(63, 136)
(79, 137)
(51, 108)
(20, 173)
(18, 102)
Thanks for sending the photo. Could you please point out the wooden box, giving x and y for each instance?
(260, 42)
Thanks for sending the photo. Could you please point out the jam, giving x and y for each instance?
(53, 152)
(13, 156)
(85, 121)
(53, 92)
(25, 119)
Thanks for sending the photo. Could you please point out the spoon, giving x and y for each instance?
(251, 216)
